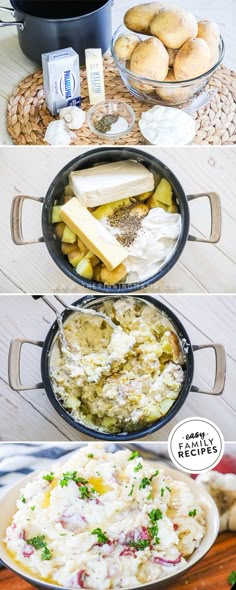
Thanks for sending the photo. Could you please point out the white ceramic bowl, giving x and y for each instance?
(8, 509)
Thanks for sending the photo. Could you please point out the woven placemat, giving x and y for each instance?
(28, 116)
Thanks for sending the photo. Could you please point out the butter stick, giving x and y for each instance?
(95, 75)
(93, 234)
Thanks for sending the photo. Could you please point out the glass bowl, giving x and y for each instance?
(164, 93)
(117, 108)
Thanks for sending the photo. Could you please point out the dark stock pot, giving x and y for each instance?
(100, 156)
(187, 387)
(45, 26)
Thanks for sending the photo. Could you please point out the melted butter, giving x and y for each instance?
(47, 496)
(29, 571)
(99, 485)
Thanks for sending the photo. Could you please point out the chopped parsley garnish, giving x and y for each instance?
(146, 481)
(39, 543)
(71, 476)
(23, 499)
(232, 578)
(84, 490)
(49, 477)
(90, 456)
(155, 515)
(162, 492)
(169, 489)
(102, 538)
(138, 467)
(32, 508)
(133, 455)
(131, 490)
(139, 545)
(192, 512)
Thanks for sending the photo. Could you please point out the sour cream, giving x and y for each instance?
(167, 126)
(154, 244)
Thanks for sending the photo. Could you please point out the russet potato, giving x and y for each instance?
(125, 46)
(192, 60)
(209, 31)
(138, 18)
(150, 59)
(174, 27)
(174, 95)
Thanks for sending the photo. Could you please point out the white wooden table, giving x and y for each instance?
(14, 66)
(28, 415)
(202, 267)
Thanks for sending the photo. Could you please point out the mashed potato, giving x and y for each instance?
(120, 380)
(104, 520)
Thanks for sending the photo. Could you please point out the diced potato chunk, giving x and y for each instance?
(153, 412)
(97, 272)
(67, 248)
(163, 194)
(107, 422)
(108, 209)
(59, 229)
(157, 203)
(92, 258)
(68, 236)
(81, 246)
(56, 214)
(68, 192)
(111, 277)
(144, 196)
(139, 210)
(172, 208)
(75, 257)
(85, 269)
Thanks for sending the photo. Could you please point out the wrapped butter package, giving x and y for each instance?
(95, 75)
(110, 182)
(61, 77)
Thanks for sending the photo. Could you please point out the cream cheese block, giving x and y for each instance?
(93, 234)
(110, 182)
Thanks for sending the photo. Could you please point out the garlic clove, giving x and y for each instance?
(73, 116)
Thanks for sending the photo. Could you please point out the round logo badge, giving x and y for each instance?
(196, 445)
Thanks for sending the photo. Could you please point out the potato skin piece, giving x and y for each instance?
(125, 46)
(174, 27)
(138, 18)
(150, 60)
(192, 60)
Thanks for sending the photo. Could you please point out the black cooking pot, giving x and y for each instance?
(99, 156)
(91, 301)
(50, 25)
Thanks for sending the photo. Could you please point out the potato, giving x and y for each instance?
(144, 196)
(172, 56)
(163, 194)
(174, 27)
(75, 257)
(68, 192)
(175, 346)
(114, 276)
(138, 18)
(97, 272)
(67, 248)
(92, 258)
(69, 236)
(108, 209)
(174, 95)
(192, 60)
(81, 246)
(150, 60)
(125, 46)
(85, 269)
(59, 229)
(56, 214)
(209, 31)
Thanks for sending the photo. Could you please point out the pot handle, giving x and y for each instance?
(14, 360)
(16, 220)
(215, 206)
(18, 24)
(220, 372)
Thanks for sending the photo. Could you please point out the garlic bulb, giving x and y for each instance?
(74, 117)
(58, 134)
(222, 488)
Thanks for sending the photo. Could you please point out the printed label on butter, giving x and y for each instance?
(95, 75)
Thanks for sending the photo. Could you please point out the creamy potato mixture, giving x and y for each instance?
(104, 520)
(122, 379)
